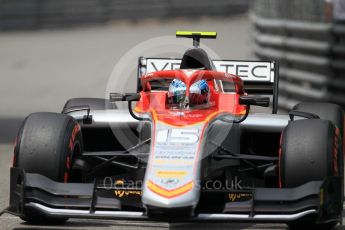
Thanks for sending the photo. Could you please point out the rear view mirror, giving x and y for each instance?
(255, 100)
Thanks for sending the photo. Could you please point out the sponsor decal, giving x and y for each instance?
(247, 70)
(171, 174)
(170, 182)
(125, 192)
(239, 196)
(181, 162)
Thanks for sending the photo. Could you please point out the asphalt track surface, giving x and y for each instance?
(41, 70)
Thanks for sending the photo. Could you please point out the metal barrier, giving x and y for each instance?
(311, 52)
(33, 14)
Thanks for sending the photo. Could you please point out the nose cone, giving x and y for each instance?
(184, 196)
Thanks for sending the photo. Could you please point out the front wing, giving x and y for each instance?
(320, 200)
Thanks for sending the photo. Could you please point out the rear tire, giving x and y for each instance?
(46, 144)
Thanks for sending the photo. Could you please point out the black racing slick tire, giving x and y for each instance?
(93, 103)
(335, 114)
(308, 153)
(46, 144)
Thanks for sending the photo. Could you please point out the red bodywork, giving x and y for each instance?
(156, 103)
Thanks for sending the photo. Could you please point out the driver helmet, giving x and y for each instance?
(199, 92)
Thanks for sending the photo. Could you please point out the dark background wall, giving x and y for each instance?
(34, 14)
(309, 49)
(302, 10)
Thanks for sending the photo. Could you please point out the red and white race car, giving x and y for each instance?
(187, 149)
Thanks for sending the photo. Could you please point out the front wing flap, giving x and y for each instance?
(35, 193)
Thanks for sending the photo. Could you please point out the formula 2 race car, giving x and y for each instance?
(188, 151)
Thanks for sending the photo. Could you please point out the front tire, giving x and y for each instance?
(46, 144)
(308, 153)
(333, 113)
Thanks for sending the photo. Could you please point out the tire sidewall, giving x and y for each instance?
(71, 142)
